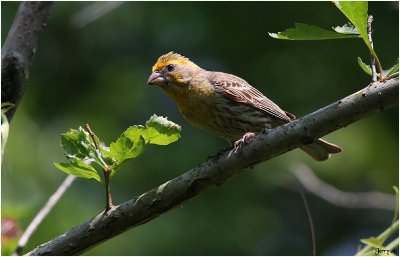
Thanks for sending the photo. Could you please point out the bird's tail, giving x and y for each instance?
(320, 150)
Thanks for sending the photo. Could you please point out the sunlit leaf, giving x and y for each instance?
(373, 241)
(357, 13)
(76, 143)
(303, 31)
(161, 131)
(347, 28)
(124, 148)
(78, 168)
(79, 144)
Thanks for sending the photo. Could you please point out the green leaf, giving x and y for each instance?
(372, 241)
(124, 148)
(78, 168)
(310, 32)
(161, 131)
(366, 68)
(357, 13)
(76, 143)
(347, 28)
(392, 70)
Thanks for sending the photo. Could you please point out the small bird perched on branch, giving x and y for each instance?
(224, 104)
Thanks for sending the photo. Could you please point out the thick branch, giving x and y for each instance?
(19, 49)
(372, 99)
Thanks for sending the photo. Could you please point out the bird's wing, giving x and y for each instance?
(240, 91)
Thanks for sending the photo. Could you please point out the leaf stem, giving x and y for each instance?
(106, 170)
(92, 135)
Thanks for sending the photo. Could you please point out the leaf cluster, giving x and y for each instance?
(87, 157)
(357, 14)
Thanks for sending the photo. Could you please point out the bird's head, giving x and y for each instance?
(172, 70)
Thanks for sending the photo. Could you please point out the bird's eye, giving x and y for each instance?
(170, 67)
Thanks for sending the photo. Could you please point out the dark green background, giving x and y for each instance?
(97, 74)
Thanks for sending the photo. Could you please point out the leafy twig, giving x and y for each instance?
(43, 213)
(106, 170)
(370, 248)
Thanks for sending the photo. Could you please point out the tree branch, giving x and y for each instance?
(340, 198)
(19, 49)
(43, 213)
(139, 210)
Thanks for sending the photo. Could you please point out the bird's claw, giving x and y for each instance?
(238, 144)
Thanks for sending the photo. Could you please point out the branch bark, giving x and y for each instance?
(19, 49)
(217, 169)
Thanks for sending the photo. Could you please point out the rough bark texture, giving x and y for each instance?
(139, 210)
(19, 49)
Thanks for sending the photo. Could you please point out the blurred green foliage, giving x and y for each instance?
(93, 70)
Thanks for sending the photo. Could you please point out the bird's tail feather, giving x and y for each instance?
(320, 150)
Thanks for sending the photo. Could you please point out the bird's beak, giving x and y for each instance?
(156, 79)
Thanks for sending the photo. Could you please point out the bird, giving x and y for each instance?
(224, 104)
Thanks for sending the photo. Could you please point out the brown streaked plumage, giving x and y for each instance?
(222, 103)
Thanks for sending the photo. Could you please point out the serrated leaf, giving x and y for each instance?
(357, 13)
(347, 28)
(76, 143)
(78, 168)
(125, 148)
(366, 68)
(372, 241)
(161, 131)
(303, 31)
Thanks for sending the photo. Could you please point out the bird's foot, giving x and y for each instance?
(238, 144)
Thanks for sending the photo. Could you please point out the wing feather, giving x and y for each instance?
(240, 91)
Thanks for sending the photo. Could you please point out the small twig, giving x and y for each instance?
(373, 68)
(310, 222)
(43, 213)
(298, 187)
(92, 135)
(106, 171)
(339, 198)
(374, 60)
